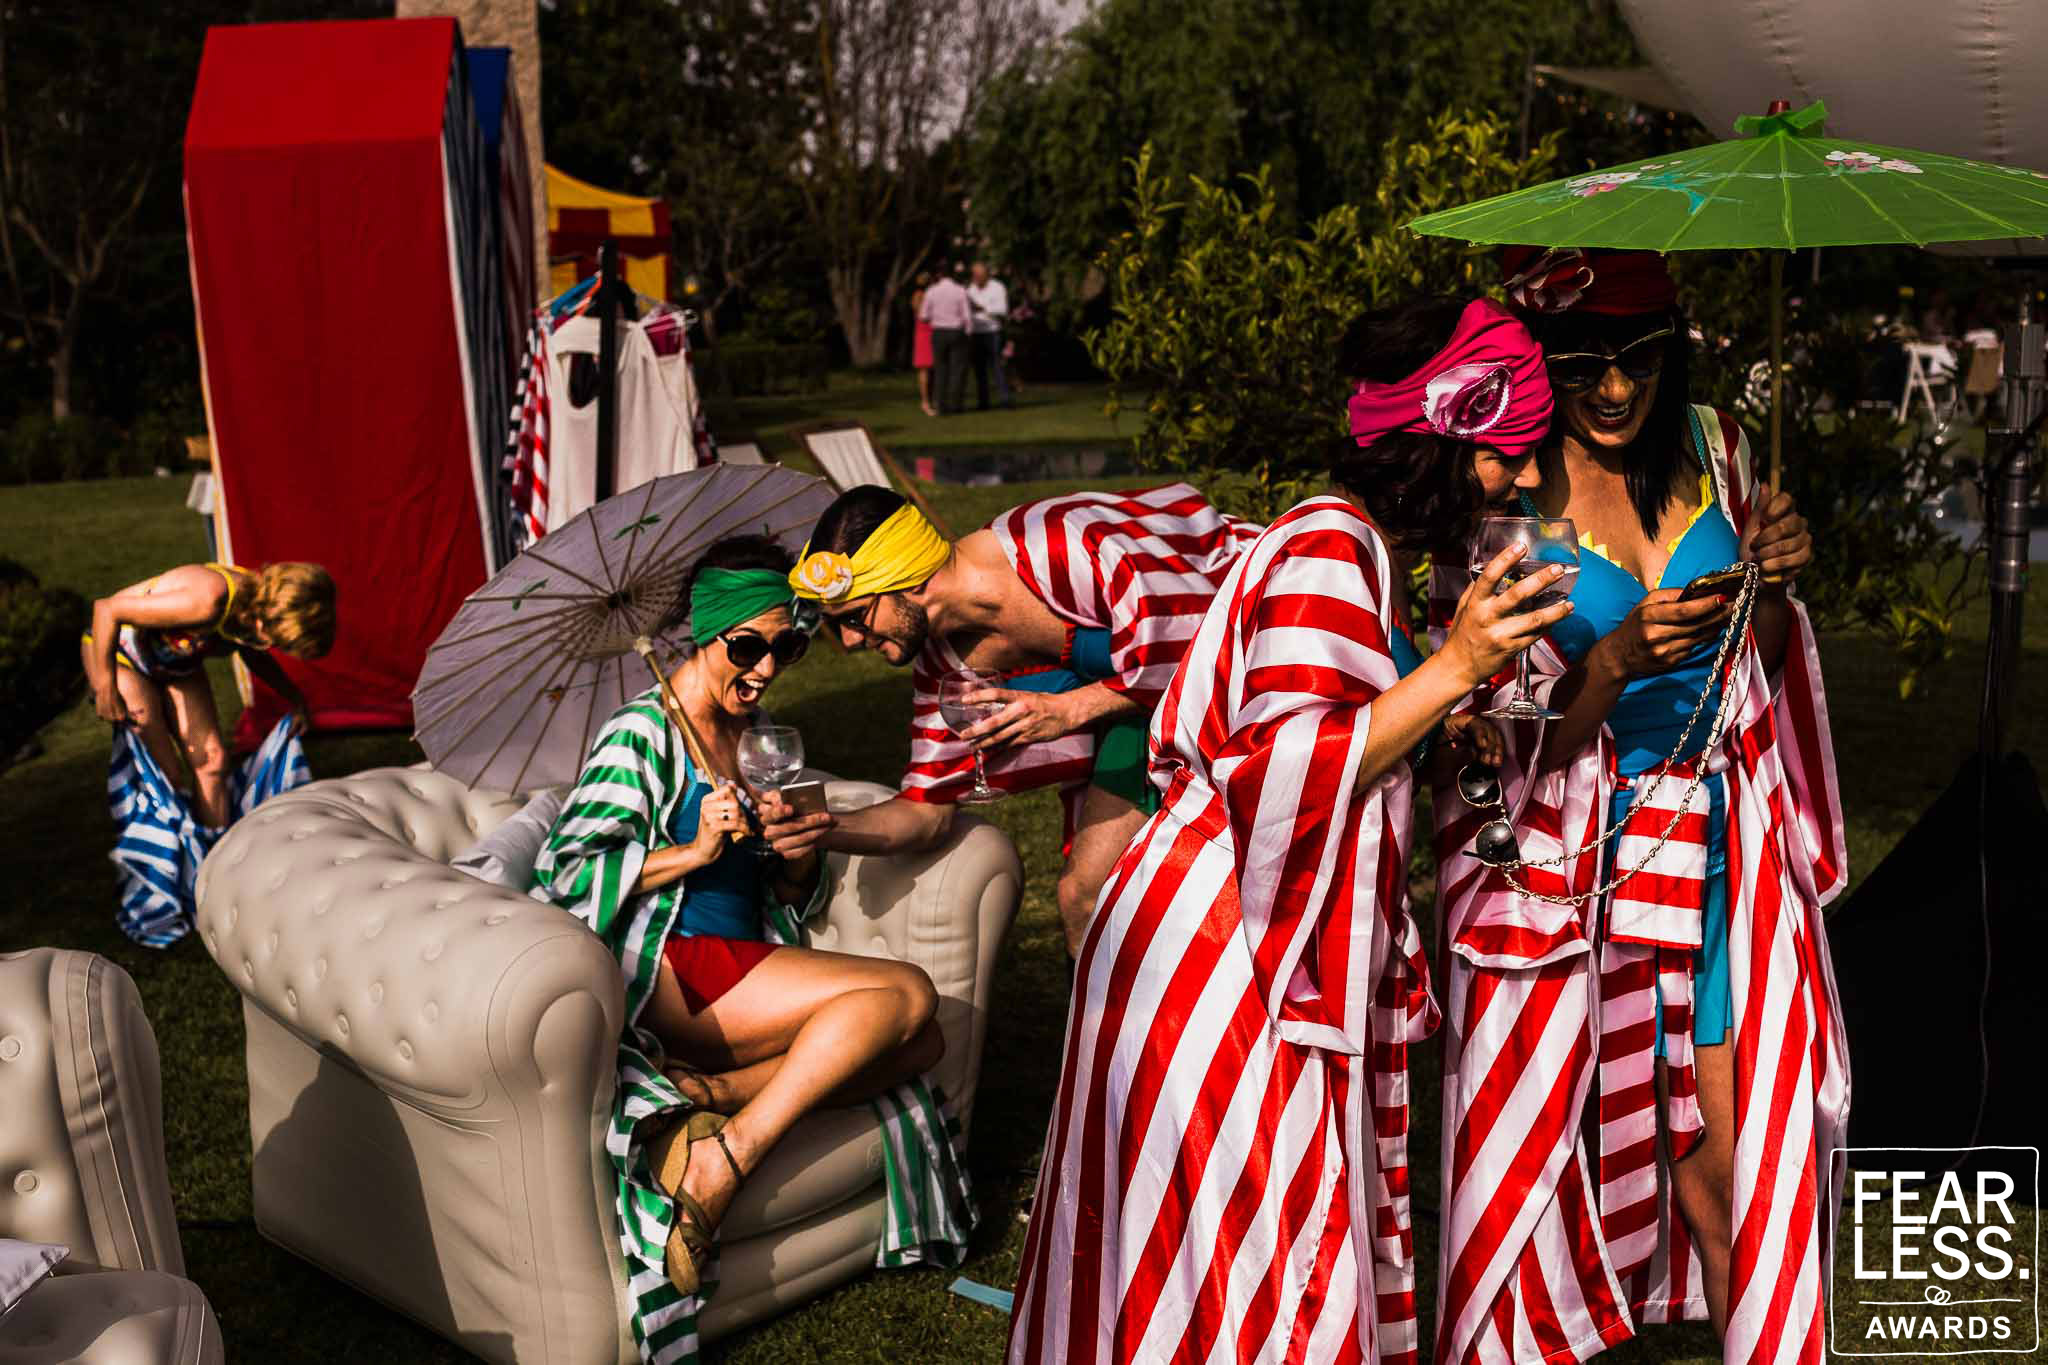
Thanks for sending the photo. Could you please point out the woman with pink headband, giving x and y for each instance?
(1226, 1169)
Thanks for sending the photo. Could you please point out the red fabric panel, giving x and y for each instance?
(317, 222)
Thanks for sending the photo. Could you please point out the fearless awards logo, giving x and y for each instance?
(1942, 1261)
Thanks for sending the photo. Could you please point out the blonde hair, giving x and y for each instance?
(295, 603)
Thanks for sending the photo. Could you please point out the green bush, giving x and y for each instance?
(744, 369)
(40, 671)
(1226, 321)
(40, 448)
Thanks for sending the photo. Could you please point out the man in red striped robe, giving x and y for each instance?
(1084, 603)
(1560, 1235)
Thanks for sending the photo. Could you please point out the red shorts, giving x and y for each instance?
(708, 967)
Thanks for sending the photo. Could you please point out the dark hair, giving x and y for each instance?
(853, 517)
(1419, 487)
(734, 552)
(1652, 462)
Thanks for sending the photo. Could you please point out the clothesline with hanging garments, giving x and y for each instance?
(571, 387)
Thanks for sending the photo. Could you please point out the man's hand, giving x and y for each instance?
(1026, 718)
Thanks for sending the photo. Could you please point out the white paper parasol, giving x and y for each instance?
(535, 661)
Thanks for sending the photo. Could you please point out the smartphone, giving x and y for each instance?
(1714, 584)
(805, 798)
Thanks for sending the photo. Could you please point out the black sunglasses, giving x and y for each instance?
(1495, 844)
(747, 649)
(861, 623)
(1577, 371)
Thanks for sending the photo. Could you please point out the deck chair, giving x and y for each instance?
(741, 452)
(849, 455)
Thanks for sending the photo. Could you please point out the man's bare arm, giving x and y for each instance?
(898, 825)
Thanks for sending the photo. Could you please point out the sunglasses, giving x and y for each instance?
(746, 649)
(1495, 844)
(861, 623)
(1577, 371)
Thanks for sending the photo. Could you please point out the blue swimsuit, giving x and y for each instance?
(1650, 714)
(722, 898)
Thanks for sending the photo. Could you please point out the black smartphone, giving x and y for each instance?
(1714, 584)
(805, 798)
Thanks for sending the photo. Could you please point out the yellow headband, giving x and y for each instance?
(903, 552)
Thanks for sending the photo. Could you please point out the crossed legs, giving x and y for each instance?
(802, 1030)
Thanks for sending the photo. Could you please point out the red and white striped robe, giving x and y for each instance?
(1142, 565)
(1554, 1249)
(1247, 994)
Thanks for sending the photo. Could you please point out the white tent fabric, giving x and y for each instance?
(1974, 75)
(657, 405)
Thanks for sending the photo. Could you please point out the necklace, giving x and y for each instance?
(1495, 844)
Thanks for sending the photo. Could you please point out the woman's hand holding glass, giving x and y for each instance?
(1493, 626)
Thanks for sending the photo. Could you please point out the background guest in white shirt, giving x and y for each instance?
(991, 304)
(947, 309)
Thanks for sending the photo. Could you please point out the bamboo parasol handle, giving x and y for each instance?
(700, 753)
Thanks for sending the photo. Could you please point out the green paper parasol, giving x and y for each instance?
(1780, 186)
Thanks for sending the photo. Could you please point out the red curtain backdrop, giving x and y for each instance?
(317, 209)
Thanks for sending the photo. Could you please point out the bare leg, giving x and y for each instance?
(834, 1020)
(152, 724)
(198, 727)
(1704, 1183)
(1108, 824)
(732, 1091)
(924, 389)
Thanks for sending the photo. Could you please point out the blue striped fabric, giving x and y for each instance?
(158, 844)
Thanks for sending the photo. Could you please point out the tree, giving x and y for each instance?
(890, 79)
(78, 160)
(1313, 90)
(724, 110)
(1226, 319)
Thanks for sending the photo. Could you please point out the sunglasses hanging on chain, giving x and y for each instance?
(1479, 786)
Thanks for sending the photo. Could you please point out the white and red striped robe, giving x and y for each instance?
(1555, 1248)
(1142, 565)
(1247, 994)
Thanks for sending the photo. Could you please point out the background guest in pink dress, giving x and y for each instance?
(921, 345)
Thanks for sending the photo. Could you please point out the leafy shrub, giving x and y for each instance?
(745, 369)
(1226, 321)
(40, 671)
(40, 448)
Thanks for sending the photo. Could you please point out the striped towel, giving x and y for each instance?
(159, 844)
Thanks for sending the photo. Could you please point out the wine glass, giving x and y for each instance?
(962, 715)
(770, 757)
(1546, 541)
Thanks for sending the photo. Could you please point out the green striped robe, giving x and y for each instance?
(618, 813)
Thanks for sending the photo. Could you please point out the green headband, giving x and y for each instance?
(722, 598)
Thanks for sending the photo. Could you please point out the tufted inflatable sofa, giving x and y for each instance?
(82, 1166)
(431, 1065)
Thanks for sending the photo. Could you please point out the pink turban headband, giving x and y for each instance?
(1486, 385)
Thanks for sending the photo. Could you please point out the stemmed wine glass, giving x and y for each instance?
(1545, 541)
(770, 757)
(962, 715)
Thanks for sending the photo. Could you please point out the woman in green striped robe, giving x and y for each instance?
(733, 1034)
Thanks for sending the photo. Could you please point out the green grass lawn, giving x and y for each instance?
(1047, 416)
(96, 537)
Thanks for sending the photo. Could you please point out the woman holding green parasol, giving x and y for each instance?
(1694, 980)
